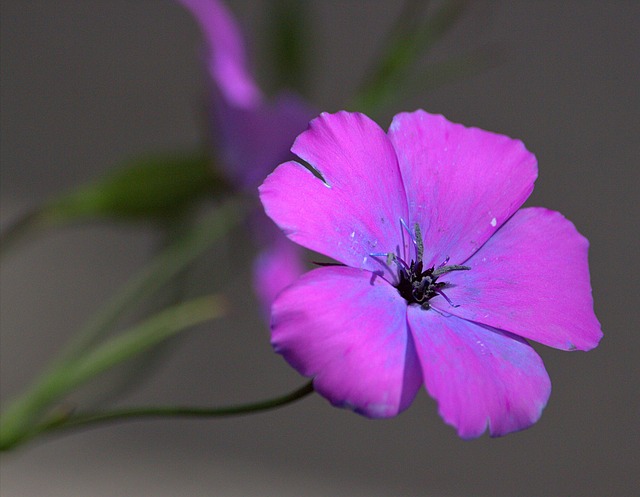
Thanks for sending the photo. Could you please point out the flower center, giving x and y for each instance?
(416, 284)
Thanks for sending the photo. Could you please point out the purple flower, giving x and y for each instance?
(441, 279)
(250, 134)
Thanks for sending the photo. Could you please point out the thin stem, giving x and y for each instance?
(136, 372)
(49, 386)
(152, 278)
(397, 48)
(31, 221)
(167, 265)
(89, 419)
(409, 39)
(20, 420)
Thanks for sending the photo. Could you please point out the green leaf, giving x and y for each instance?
(143, 337)
(438, 74)
(159, 272)
(16, 423)
(409, 40)
(151, 187)
(289, 44)
(155, 187)
(18, 420)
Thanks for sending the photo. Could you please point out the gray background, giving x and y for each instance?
(87, 84)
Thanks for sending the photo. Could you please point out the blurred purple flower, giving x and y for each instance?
(452, 310)
(251, 135)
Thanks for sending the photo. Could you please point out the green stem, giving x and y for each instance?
(408, 40)
(86, 420)
(19, 420)
(134, 373)
(31, 221)
(162, 269)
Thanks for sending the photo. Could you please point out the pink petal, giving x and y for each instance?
(532, 279)
(226, 54)
(357, 210)
(480, 377)
(462, 183)
(253, 141)
(275, 268)
(347, 328)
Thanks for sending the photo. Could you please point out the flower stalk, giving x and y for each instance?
(18, 421)
(94, 419)
(84, 358)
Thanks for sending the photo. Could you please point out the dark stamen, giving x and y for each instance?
(416, 284)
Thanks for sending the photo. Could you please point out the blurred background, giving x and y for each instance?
(86, 84)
